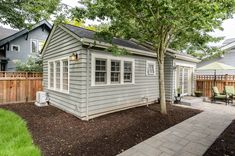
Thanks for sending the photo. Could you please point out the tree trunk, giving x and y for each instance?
(162, 86)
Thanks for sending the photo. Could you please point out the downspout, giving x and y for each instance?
(87, 81)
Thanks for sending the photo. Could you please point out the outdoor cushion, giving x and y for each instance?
(216, 91)
(229, 90)
(220, 96)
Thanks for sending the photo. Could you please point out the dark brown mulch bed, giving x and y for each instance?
(224, 144)
(59, 133)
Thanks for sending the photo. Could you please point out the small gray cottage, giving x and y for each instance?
(227, 58)
(19, 45)
(87, 81)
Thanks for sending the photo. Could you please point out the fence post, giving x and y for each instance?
(226, 79)
(26, 87)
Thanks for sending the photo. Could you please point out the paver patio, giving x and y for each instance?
(191, 137)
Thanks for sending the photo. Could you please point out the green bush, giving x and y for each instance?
(33, 64)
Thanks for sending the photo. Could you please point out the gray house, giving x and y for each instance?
(227, 58)
(84, 79)
(20, 45)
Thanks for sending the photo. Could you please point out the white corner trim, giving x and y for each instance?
(108, 59)
(148, 62)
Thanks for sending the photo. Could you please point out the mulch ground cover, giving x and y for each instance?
(224, 144)
(59, 133)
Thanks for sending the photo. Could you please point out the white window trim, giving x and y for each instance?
(37, 43)
(147, 66)
(108, 69)
(16, 46)
(61, 75)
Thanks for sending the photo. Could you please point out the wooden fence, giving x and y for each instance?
(18, 87)
(205, 83)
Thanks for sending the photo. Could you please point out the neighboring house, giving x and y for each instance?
(19, 45)
(98, 82)
(227, 58)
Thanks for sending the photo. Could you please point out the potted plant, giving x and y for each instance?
(198, 93)
(178, 92)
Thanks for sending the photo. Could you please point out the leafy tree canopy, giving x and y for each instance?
(33, 64)
(178, 24)
(184, 25)
(17, 13)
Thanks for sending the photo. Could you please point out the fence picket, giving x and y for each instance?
(204, 83)
(18, 87)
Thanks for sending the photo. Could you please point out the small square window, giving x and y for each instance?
(150, 68)
(15, 48)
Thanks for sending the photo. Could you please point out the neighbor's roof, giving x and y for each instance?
(84, 33)
(230, 40)
(24, 31)
(216, 66)
(4, 32)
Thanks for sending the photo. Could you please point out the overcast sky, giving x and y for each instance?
(228, 25)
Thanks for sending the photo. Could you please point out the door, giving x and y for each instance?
(184, 80)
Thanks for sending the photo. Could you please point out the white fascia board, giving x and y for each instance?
(228, 46)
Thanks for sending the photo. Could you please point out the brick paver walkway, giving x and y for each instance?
(191, 137)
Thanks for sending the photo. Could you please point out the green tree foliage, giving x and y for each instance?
(33, 64)
(17, 13)
(178, 24)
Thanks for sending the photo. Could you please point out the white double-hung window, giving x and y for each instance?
(150, 68)
(111, 70)
(58, 75)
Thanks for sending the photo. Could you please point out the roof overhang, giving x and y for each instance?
(24, 31)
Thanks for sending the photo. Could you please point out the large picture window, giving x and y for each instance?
(58, 75)
(111, 70)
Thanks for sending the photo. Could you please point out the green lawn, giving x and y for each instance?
(15, 139)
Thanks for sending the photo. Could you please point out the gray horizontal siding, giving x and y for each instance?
(111, 97)
(61, 45)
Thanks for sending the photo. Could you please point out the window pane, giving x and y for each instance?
(65, 75)
(127, 71)
(51, 75)
(150, 69)
(34, 46)
(57, 74)
(100, 73)
(115, 71)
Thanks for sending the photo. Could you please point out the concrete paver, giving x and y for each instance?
(191, 137)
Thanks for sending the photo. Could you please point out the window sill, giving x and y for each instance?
(106, 85)
(58, 91)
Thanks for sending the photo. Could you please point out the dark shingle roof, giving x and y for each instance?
(84, 33)
(4, 32)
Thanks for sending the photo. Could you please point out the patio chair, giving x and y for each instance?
(230, 91)
(219, 96)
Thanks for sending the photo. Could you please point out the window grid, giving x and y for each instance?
(100, 71)
(127, 72)
(51, 75)
(57, 74)
(65, 75)
(115, 71)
